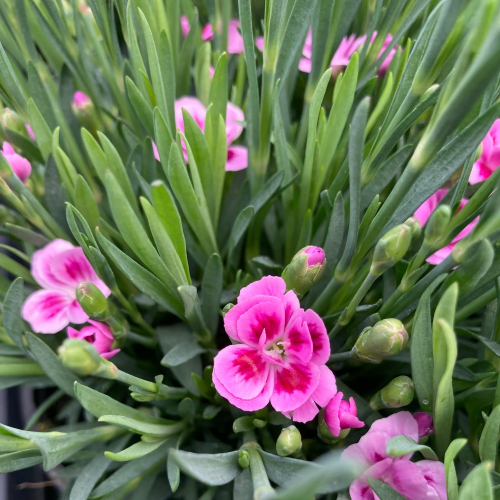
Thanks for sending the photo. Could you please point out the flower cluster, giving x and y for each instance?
(414, 480)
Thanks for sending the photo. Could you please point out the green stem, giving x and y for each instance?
(43, 408)
(261, 485)
(475, 305)
(340, 356)
(320, 305)
(21, 370)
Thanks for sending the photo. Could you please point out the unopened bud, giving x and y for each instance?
(10, 120)
(289, 441)
(397, 393)
(243, 459)
(415, 227)
(80, 357)
(435, 229)
(304, 270)
(92, 301)
(425, 424)
(390, 249)
(227, 308)
(386, 338)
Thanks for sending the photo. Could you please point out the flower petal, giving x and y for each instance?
(319, 337)
(396, 424)
(234, 122)
(298, 343)
(304, 413)
(294, 385)
(327, 386)
(110, 354)
(72, 268)
(407, 478)
(41, 264)
(257, 403)
(291, 303)
(235, 43)
(76, 314)
(434, 474)
(47, 311)
(242, 371)
(263, 317)
(268, 285)
(237, 158)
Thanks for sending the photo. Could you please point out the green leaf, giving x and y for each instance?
(488, 443)
(168, 72)
(142, 107)
(422, 364)
(384, 491)
(156, 431)
(137, 450)
(11, 312)
(213, 470)
(51, 365)
(54, 195)
(26, 235)
(12, 83)
(85, 202)
(477, 485)
(211, 290)
(17, 460)
(99, 405)
(146, 282)
(181, 353)
(402, 445)
(449, 467)
(239, 228)
(132, 470)
(15, 268)
(218, 91)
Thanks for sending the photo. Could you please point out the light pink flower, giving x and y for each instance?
(99, 335)
(424, 212)
(489, 160)
(416, 481)
(341, 415)
(58, 268)
(259, 43)
(425, 424)
(235, 43)
(21, 166)
(30, 132)
(237, 156)
(346, 49)
(280, 355)
(80, 100)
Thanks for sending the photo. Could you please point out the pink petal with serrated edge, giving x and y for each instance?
(41, 264)
(297, 339)
(47, 311)
(319, 337)
(268, 285)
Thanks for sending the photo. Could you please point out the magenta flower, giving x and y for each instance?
(387, 61)
(237, 156)
(340, 415)
(99, 335)
(80, 100)
(425, 424)
(489, 160)
(20, 166)
(424, 212)
(280, 355)
(342, 56)
(415, 481)
(316, 255)
(235, 43)
(58, 268)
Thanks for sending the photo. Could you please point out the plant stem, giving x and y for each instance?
(261, 485)
(340, 356)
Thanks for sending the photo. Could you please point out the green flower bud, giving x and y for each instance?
(289, 441)
(390, 249)
(415, 227)
(397, 393)
(227, 308)
(435, 229)
(12, 121)
(304, 270)
(92, 301)
(243, 459)
(324, 432)
(384, 339)
(80, 357)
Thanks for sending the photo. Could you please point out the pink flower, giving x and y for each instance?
(237, 156)
(305, 61)
(30, 132)
(316, 255)
(259, 43)
(280, 355)
(425, 424)
(387, 61)
(99, 335)
(341, 415)
(235, 43)
(21, 166)
(489, 160)
(58, 268)
(347, 47)
(80, 100)
(424, 212)
(415, 481)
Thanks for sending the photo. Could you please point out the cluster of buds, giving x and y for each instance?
(304, 270)
(386, 338)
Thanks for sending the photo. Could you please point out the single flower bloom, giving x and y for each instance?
(424, 212)
(20, 165)
(340, 415)
(343, 54)
(489, 160)
(425, 424)
(80, 100)
(58, 268)
(280, 355)
(99, 335)
(415, 481)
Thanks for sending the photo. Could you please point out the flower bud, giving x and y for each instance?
(304, 270)
(435, 228)
(243, 459)
(289, 441)
(384, 339)
(80, 357)
(92, 301)
(227, 308)
(397, 393)
(425, 424)
(415, 227)
(341, 415)
(390, 249)
(12, 121)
